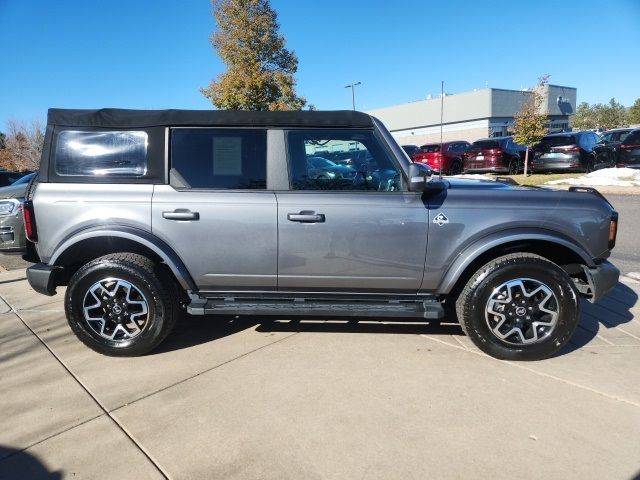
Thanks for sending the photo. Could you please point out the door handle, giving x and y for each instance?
(181, 214)
(306, 216)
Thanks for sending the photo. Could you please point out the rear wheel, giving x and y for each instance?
(519, 307)
(456, 168)
(590, 165)
(121, 304)
(514, 166)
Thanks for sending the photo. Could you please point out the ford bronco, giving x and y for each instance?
(144, 213)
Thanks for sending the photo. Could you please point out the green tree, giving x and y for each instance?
(530, 121)
(610, 115)
(585, 117)
(260, 70)
(633, 114)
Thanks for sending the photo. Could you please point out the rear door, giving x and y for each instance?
(217, 213)
(350, 230)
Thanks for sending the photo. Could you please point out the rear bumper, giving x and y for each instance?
(41, 277)
(601, 280)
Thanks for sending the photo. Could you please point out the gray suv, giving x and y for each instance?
(142, 214)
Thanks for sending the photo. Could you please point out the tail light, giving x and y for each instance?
(29, 221)
(628, 147)
(573, 148)
(613, 230)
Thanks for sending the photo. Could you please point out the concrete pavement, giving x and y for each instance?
(245, 399)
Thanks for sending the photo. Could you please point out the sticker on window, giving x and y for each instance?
(227, 156)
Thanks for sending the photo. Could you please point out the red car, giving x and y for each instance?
(449, 159)
(496, 155)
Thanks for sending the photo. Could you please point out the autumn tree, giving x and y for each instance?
(633, 113)
(260, 71)
(531, 122)
(23, 146)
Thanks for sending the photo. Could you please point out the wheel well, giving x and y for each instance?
(563, 256)
(84, 251)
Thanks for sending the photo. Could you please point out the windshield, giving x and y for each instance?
(24, 179)
(558, 140)
(429, 148)
(486, 144)
(319, 162)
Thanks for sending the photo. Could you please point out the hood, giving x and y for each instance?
(479, 184)
(14, 191)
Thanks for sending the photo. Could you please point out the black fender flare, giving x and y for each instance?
(496, 239)
(143, 237)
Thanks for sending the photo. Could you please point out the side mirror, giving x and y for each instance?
(419, 176)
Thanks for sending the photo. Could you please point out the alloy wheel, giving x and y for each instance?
(522, 311)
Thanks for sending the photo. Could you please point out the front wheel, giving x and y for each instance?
(514, 166)
(519, 307)
(121, 304)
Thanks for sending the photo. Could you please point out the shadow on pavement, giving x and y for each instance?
(610, 312)
(16, 464)
(191, 331)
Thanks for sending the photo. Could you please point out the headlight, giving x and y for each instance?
(8, 206)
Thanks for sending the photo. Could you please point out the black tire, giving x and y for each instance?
(456, 168)
(514, 166)
(590, 166)
(472, 307)
(159, 291)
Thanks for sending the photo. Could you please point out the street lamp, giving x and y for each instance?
(352, 86)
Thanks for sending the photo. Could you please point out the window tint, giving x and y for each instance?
(101, 153)
(608, 137)
(358, 162)
(220, 158)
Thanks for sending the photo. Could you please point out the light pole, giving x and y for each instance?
(352, 86)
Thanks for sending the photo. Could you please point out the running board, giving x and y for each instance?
(426, 309)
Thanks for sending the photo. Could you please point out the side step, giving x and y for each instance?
(314, 307)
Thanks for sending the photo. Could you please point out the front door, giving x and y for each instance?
(216, 213)
(348, 225)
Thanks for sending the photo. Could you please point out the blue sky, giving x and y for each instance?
(156, 53)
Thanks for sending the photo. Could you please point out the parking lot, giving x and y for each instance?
(247, 398)
(253, 398)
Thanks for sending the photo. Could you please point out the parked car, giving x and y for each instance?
(448, 158)
(356, 159)
(630, 150)
(572, 151)
(12, 234)
(319, 168)
(495, 155)
(225, 222)
(411, 150)
(611, 140)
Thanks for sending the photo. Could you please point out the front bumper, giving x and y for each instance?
(601, 280)
(42, 278)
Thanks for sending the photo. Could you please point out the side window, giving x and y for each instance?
(340, 160)
(608, 137)
(219, 158)
(101, 153)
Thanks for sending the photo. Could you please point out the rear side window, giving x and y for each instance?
(217, 158)
(633, 138)
(103, 153)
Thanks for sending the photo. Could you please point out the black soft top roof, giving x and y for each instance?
(119, 118)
